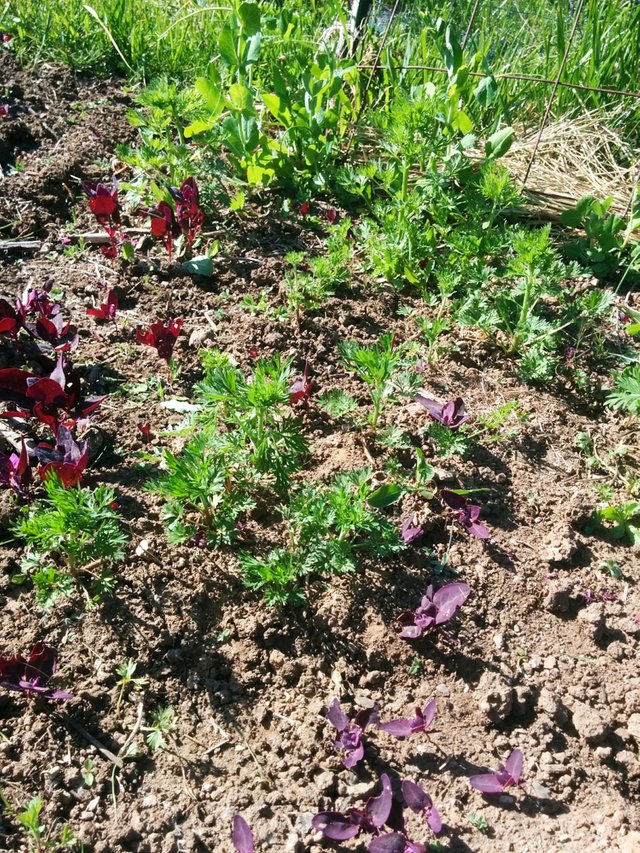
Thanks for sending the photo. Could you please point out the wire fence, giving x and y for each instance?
(553, 84)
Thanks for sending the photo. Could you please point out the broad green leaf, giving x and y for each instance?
(212, 94)
(386, 495)
(240, 97)
(198, 126)
(499, 143)
(227, 45)
(249, 14)
(202, 265)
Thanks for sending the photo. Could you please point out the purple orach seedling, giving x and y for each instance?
(304, 208)
(164, 225)
(15, 471)
(67, 459)
(420, 802)
(450, 414)
(395, 842)
(107, 310)
(4, 110)
(188, 212)
(37, 301)
(241, 835)
(145, 432)
(340, 827)
(350, 740)
(300, 391)
(589, 596)
(31, 675)
(11, 319)
(61, 336)
(54, 400)
(507, 775)
(411, 532)
(465, 513)
(103, 203)
(422, 721)
(161, 336)
(435, 609)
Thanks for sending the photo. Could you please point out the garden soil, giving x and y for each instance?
(529, 664)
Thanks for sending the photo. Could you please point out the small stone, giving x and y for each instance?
(550, 662)
(443, 690)
(604, 753)
(150, 801)
(495, 697)
(199, 336)
(630, 843)
(592, 619)
(557, 598)
(617, 650)
(324, 781)
(588, 723)
(551, 705)
(633, 726)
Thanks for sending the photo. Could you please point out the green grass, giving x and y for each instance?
(147, 38)
(529, 37)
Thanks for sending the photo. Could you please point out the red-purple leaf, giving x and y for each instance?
(513, 765)
(397, 728)
(488, 783)
(336, 826)
(378, 808)
(448, 598)
(241, 835)
(337, 717)
(391, 843)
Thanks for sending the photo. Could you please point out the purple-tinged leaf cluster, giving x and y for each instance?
(349, 740)
(189, 215)
(300, 391)
(67, 458)
(450, 414)
(31, 675)
(341, 827)
(241, 835)
(106, 310)
(465, 513)
(55, 400)
(161, 336)
(435, 609)
(507, 775)
(377, 814)
(417, 799)
(411, 532)
(421, 722)
(15, 471)
(103, 203)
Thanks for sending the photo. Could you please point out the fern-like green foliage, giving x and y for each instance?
(326, 527)
(66, 531)
(207, 486)
(73, 526)
(376, 365)
(626, 394)
(258, 413)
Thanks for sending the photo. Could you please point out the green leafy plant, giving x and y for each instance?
(163, 723)
(326, 527)
(78, 529)
(626, 394)
(620, 521)
(376, 365)
(207, 486)
(256, 413)
(127, 672)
